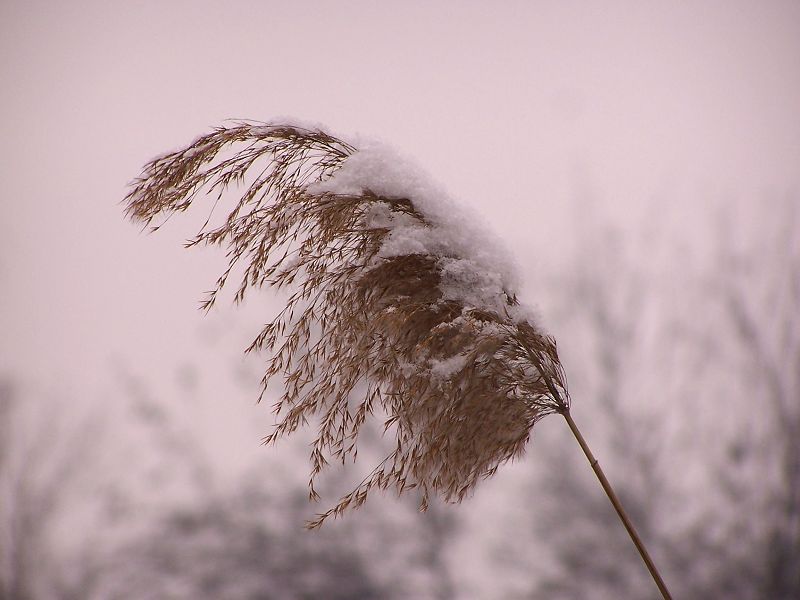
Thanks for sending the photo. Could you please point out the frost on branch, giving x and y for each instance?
(399, 304)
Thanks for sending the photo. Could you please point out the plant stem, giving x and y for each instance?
(637, 541)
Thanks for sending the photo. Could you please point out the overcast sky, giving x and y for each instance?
(517, 108)
(537, 114)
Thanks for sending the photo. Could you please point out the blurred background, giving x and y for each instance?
(639, 159)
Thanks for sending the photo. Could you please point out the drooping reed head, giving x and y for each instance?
(394, 307)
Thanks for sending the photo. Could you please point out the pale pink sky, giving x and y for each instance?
(516, 107)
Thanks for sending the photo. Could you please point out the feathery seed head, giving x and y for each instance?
(389, 294)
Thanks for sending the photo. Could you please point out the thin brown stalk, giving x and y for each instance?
(615, 501)
(609, 490)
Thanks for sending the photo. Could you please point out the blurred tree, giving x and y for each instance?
(40, 465)
(251, 544)
(248, 541)
(742, 539)
(758, 287)
(232, 548)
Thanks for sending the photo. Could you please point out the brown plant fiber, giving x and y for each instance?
(362, 332)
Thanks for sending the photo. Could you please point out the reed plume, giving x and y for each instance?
(397, 307)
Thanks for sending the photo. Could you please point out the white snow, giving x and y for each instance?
(443, 369)
(476, 267)
(474, 287)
